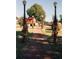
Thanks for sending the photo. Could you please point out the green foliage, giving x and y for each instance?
(60, 18)
(21, 21)
(36, 11)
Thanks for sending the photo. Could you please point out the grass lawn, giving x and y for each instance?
(20, 45)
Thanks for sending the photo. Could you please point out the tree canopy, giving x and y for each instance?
(36, 11)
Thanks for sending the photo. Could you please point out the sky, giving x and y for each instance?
(46, 4)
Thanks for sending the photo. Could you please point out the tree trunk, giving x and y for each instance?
(42, 24)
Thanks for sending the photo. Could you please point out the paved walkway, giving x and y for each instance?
(38, 29)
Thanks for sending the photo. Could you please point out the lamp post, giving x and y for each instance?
(24, 22)
(55, 24)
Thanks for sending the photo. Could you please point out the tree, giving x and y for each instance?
(38, 12)
(60, 19)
